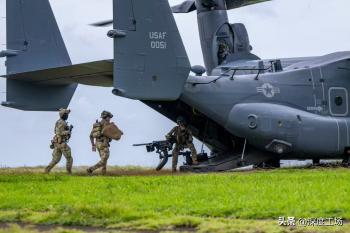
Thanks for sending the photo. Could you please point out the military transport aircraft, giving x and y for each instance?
(247, 110)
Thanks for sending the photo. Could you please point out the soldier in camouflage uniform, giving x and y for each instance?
(184, 139)
(100, 142)
(223, 51)
(59, 142)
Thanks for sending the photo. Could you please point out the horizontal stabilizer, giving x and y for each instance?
(52, 89)
(98, 73)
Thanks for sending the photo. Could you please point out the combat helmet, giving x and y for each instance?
(181, 120)
(106, 114)
(63, 111)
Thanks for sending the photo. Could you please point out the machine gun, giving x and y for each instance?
(162, 148)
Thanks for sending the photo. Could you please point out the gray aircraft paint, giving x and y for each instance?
(298, 107)
(146, 36)
(35, 43)
(300, 111)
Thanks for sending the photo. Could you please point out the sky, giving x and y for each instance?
(280, 28)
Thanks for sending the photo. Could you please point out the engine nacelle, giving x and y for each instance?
(283, 130)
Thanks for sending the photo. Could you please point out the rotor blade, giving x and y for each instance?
(185, 7)
(190, 5)
(232, 4)
(102, 23)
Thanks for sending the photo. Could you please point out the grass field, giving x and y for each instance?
(138, 200)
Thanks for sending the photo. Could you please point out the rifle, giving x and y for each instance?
(70, 129)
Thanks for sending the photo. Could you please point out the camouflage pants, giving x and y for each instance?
(60, 149)
(103, 150)
(177, 150)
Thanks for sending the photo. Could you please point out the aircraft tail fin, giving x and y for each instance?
(34, 41)
(150, 59)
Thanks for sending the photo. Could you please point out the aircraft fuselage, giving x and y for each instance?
(299, 112)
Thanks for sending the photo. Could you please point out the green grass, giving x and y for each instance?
(226, 202)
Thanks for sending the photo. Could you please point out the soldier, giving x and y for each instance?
(60, 142)
(223, 51)
(184, 139)
(100, 142)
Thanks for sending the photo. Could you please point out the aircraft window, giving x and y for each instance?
(338, 100)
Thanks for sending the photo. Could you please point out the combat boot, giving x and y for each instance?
(89, 171)
(47, 171)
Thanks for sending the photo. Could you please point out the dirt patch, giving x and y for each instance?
(133, 173)
(41, 228)
(48, 228)
(140, 171)
(81, 171)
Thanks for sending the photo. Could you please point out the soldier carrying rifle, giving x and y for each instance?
(59, 143)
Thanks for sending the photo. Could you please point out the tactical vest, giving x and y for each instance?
(60, 138)
(182, 136)
(97, 132)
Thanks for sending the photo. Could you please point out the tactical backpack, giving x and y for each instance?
(97, 130)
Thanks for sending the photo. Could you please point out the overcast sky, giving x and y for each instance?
(281, 28)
